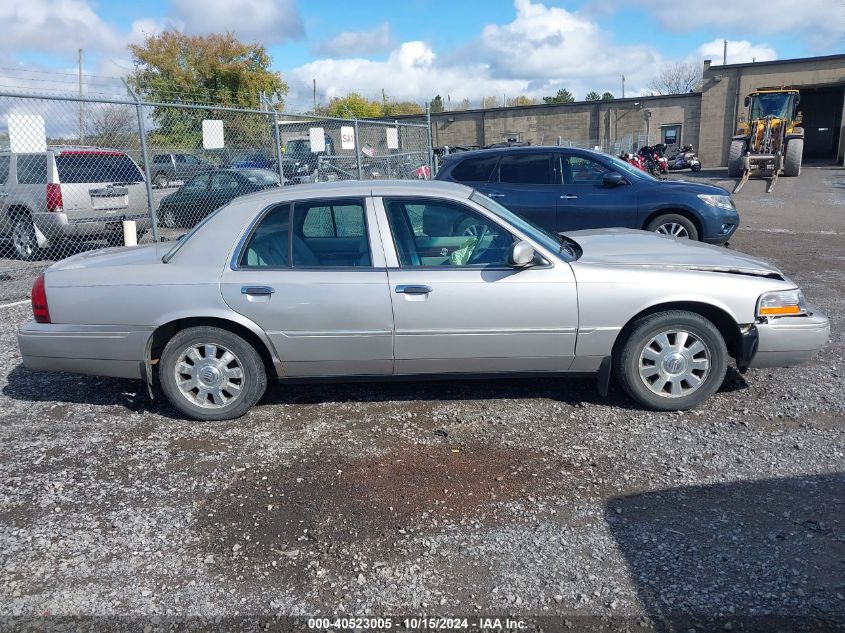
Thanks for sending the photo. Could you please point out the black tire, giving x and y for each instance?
(630, 360)
(160, 180)
(735, 155)
(250, 386)
(792, 159)
(22, 237)
(674, 225)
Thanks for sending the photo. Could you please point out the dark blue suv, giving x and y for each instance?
(565, 189)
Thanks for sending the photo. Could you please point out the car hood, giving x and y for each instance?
(627, 247)
(118, 256)
(684, 186)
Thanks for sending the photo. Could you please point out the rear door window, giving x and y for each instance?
(32, 169)
(525, 168)
(4, 169)
(475, 169)
(97, 167)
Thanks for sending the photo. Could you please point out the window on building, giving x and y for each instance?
(671, 134)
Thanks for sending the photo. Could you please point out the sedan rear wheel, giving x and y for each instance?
(672, 360)
(211, 374)
(673, 225)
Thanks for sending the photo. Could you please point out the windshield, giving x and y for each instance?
(261, 177)
(564, 246)
(775, 104)
(629, 169)
(298, 146)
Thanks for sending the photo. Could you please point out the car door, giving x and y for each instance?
(526, 183)
(585, 202)
(458, 305)
(5, 224)
(312, 275)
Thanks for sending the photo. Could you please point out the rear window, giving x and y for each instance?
(261, 177)
(95, 167)
(475, 169)
(32, 169)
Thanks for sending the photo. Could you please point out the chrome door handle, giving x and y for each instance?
(568, 197)
(257, 290)
(413, 290)
(495, 195)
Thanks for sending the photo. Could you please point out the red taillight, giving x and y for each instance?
(39, 301)
(54, 197)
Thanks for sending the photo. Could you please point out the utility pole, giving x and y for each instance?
(315, 95)
(725, 53)
(81, 130)
(623, 86)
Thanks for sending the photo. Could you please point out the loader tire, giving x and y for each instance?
(735, 158)
(792, 160)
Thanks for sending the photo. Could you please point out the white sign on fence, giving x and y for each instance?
(317, 138)
(392, 138)
(347, 137)
(212, 134)
(27, 133)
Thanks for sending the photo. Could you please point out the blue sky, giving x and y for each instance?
(416, 48)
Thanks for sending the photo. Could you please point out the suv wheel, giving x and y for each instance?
(208, 373)
(23, 238)
(167, 216)
(160, 180)
(672, 360)
(673, 225)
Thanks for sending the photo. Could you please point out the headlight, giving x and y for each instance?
(781, 303)
(723, 202)
(303, 169)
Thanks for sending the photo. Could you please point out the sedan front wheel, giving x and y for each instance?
(672, 360)
(209, 373)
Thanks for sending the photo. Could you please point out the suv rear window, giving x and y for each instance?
(475, 169)
(95, 167)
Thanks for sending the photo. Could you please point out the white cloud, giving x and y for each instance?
(739, 52)
(357, 43)
(266, 21)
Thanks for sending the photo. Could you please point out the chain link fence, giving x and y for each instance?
(78, 174)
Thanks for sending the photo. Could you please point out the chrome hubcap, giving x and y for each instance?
(674, 363)
(672, 228)
(23, 237)
(209, 375)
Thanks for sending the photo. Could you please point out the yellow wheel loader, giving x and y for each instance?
(771, 140)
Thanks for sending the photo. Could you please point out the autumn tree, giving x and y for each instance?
(354, 106)
(677, 78)
(592, 96)
(490, 102)
(436, 104)
(562, 96)
(607, 96)
(396, 108)
(464, 104)
(217, 69)
(110, 125)
(521, 100)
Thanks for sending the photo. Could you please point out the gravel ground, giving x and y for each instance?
(475, 498)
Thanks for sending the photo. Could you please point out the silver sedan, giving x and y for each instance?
(387, 279)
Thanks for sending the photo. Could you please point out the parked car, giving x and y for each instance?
(244, 159)
(167, 168)
(566, 189)
(378, 279)
(78, 193)
(300, 163)
(204, 193)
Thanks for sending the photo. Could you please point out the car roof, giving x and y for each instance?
(518, 149)
(364, 188)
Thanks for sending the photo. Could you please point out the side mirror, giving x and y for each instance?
(612, 179)
(747, 101)
(521, 254)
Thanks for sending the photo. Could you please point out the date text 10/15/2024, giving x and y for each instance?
(416, 624)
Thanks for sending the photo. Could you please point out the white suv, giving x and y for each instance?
(79, 193)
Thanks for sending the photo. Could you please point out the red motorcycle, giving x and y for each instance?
(654, 163)
(635, 160)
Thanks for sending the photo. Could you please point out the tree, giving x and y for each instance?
(562, 96)
(464, 104)
(211, 69)
(607, 96)
(592, 96)
(521, 100)
(675, 79)
(110, 125)
(353, 105)
(436, 104)
(489, 102)
(396, 108)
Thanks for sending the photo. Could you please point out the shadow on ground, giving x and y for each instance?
(770, 553)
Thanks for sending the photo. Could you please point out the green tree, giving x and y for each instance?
(593, 96)
(218, 69)
(607, 96)
(354, 105)
(562, 96)
(436, 104)
(396, 108)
